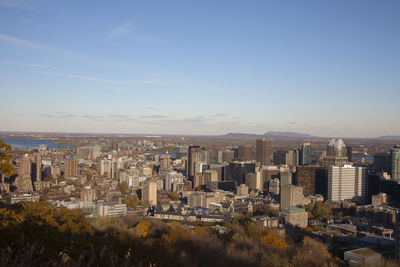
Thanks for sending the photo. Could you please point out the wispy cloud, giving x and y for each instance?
(39, 66)
(219, 115)
(65, 115)
(19, 4)
(31, 45)
(153, 116)
(102, 80)
(121, 30)
(19, 42)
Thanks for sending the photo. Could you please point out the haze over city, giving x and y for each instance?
(325, 68)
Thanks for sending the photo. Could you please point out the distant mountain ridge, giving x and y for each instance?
(288, 134)
(241, 136)
(270, 134)
(390, 137)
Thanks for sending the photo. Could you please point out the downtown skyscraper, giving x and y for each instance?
(263, 151)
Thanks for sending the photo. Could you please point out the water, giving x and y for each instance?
(367, 159)
(32, 143)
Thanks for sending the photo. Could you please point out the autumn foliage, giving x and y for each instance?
(39, 234)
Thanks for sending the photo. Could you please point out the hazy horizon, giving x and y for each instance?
(200, 68)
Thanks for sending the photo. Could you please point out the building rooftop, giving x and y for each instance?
(362, 252)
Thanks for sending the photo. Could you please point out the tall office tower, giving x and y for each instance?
(228, 156)
(245, 153)
(149, 192)
(349, 153)
(291, 196)
(336, 154)
(198, 180)
(70, 167)
(238, 171)
(24, 178)
(37, 167)
(347, 183)
(306, 151)
(211, 179)
(313, 179)
(254, 180)
(285, 177)
(181, 151)
(293, 157)
(215, 156)
(382, 162)
(279, 157)
(263, 151)
(205, 156)
(194, 155)
(395, 162)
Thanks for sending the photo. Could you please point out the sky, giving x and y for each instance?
(326, 68)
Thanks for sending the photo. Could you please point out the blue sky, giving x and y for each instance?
(328, 68)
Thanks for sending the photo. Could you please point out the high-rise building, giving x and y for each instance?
(395, 162)
(291, 196)
(245, 153)
(336, 154)
(254, 180)
(306, 154)
(238, 171)
(349, 153)
(293, 157)
(263, 151)
(382, 162)
(70, 167)
(198, 180)
(24, 178)
(347, 183)
(285, 177)
(228, 156)
(194, 155)
(279, 157)
(211, 179)
(173, 178)
(205, 156)
(37, 167)
(215, 156)
(313, 179)
(149, 193)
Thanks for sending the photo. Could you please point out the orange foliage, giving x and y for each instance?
(142, 228)
(271, 240)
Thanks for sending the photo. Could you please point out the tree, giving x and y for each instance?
(131, 202)
(321, 210)
(267, 210)
(123, 187)
(271, 240)
(6, 167)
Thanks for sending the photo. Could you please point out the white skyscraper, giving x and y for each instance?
(346, 183)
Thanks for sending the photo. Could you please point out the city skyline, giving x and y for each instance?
(191, 68)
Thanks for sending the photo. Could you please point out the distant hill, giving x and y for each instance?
(270, 134)
(287, 134)
(241, 136)
(390, 137)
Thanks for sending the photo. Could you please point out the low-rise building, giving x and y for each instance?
(295, 216)
(362, 257)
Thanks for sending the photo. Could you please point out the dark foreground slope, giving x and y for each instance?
(38, 234)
